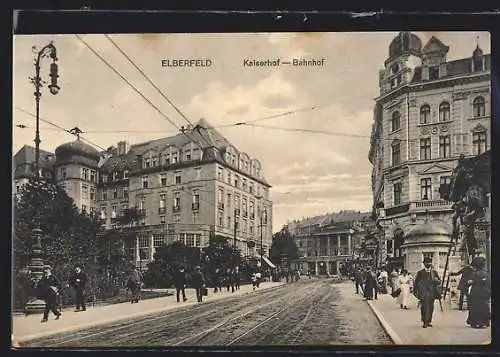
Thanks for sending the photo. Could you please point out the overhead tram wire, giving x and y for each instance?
(156, 87)
(130, 84)
(62, 129)
(314, 107)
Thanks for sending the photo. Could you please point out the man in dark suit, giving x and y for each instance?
(427, 289)
(48, 290)
(180, 283)
(78, 281)
(198, 281)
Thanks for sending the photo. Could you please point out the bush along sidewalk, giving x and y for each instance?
(68, 299)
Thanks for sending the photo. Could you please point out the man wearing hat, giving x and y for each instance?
(198, 281)
(180, 283)
(48, 290)
(78, 281)
(427, 289)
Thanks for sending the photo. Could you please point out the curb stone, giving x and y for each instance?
(385, 325)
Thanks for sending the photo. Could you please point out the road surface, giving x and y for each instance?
(307, 312)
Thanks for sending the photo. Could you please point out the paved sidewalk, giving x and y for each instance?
(404, 326)
(29, 327)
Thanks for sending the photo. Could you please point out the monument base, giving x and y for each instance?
(34, 307)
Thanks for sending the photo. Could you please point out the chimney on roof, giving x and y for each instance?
(123, 147)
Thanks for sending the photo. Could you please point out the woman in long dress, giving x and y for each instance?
(404, 283)
(479, 296)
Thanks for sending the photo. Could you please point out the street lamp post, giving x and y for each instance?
(47, 51)
(36, 265)
(36, 272)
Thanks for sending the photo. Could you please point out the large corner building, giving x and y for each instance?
(186, 187)
(430, 111)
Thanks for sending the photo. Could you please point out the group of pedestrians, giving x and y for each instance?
(229, 278)
(426, 287)
(49, 289)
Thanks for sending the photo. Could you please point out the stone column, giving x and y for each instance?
(337, 267)
(315, 268)
(327, 267)
(349, 244)
(338, 242)
(328, 246)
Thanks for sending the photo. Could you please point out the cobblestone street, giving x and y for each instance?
(308, 312)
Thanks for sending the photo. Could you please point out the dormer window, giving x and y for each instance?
(154, 162)
(433, 73)
(115, 176)
(147, 163)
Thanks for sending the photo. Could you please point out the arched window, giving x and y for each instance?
(395, 121)
(444, 111)
(478, 107)
(479, 140)
(425, 114)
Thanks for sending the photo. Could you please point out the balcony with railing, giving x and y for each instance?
(438, 204)
(176, 208)
(162, 210)
(421, 205)
(220, 205)
(195, 206)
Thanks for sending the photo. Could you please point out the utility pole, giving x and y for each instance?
(235, 229)
(261, 246)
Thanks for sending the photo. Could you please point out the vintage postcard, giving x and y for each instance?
(251, 189)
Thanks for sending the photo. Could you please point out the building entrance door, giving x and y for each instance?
(322, 268)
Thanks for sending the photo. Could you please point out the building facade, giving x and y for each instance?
(188, 187)
(329, 242)
(430, 111)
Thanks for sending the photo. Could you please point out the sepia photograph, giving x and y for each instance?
(251, 189)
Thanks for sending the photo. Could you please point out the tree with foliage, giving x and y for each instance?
(68, 237)
(220, 255)
(167, 259)
(284, 246)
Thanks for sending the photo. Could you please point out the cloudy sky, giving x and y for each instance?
(310, 173)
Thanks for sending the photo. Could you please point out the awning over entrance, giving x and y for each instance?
(266, 259)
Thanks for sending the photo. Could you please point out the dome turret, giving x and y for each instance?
(405, 43)
(77, 152)
(431, 232)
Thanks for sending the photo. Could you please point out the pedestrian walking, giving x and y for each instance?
(358, 280)
(427, 289)
(258, 276)
(237, 278)
(218, 280)
(48, 289)
(404, 283)
(134, 284)
(254, 280)
(394, 281)
(467, 273)
(180, 283)
(78, 282)
(228, 279)
(198, 281)
(479, 296)
(370, 285)
(383, 279)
